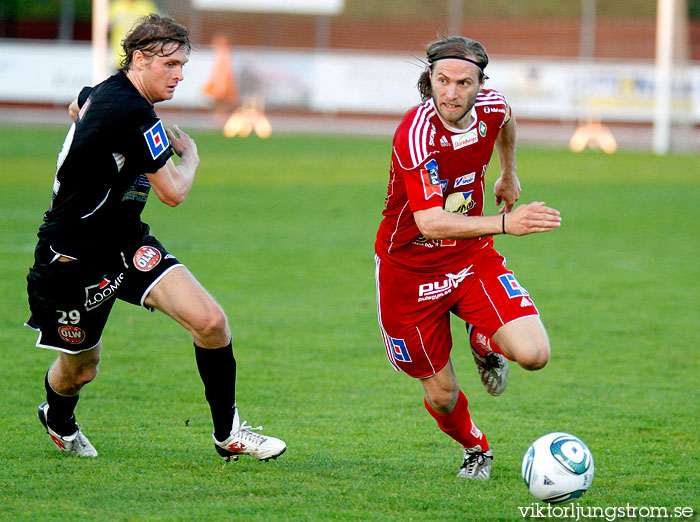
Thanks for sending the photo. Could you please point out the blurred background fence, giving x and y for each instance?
(554, 28)
(563, 62)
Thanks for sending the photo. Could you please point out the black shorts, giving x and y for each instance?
(71, 301)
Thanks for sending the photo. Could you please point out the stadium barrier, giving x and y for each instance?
(367, 83)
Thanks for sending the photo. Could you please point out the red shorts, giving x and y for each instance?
(414, 309)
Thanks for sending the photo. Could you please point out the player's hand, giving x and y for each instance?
(73, 110)
(531, 218)
(507, 190)
(181, 141)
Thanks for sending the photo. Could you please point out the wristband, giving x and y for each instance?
(504, 223)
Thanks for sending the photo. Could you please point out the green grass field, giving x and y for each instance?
(281, 232)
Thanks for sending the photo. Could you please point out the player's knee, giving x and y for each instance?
(443, 401)
(535, 358)
(86, 375)
(528, 346)
(74, 381)
(211, 323)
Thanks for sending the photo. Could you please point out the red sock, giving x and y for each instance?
(458, 424)
(483, 343)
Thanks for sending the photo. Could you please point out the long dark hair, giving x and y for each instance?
(151, 35)
(451, 46)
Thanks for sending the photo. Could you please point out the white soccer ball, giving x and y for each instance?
(558, 467)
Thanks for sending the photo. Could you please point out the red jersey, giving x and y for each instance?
(434, 165)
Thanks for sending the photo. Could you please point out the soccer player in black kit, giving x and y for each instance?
(93, 247)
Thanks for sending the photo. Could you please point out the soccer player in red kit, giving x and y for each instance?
(434, 248)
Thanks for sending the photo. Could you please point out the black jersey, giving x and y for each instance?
(101, 188)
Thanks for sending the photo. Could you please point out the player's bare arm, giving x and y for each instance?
(507, 187)
(171, 182)
(436, 223)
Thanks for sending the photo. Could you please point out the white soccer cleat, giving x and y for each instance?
(493, 367)
(477, 464)
(243, 441)
(75, 444)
